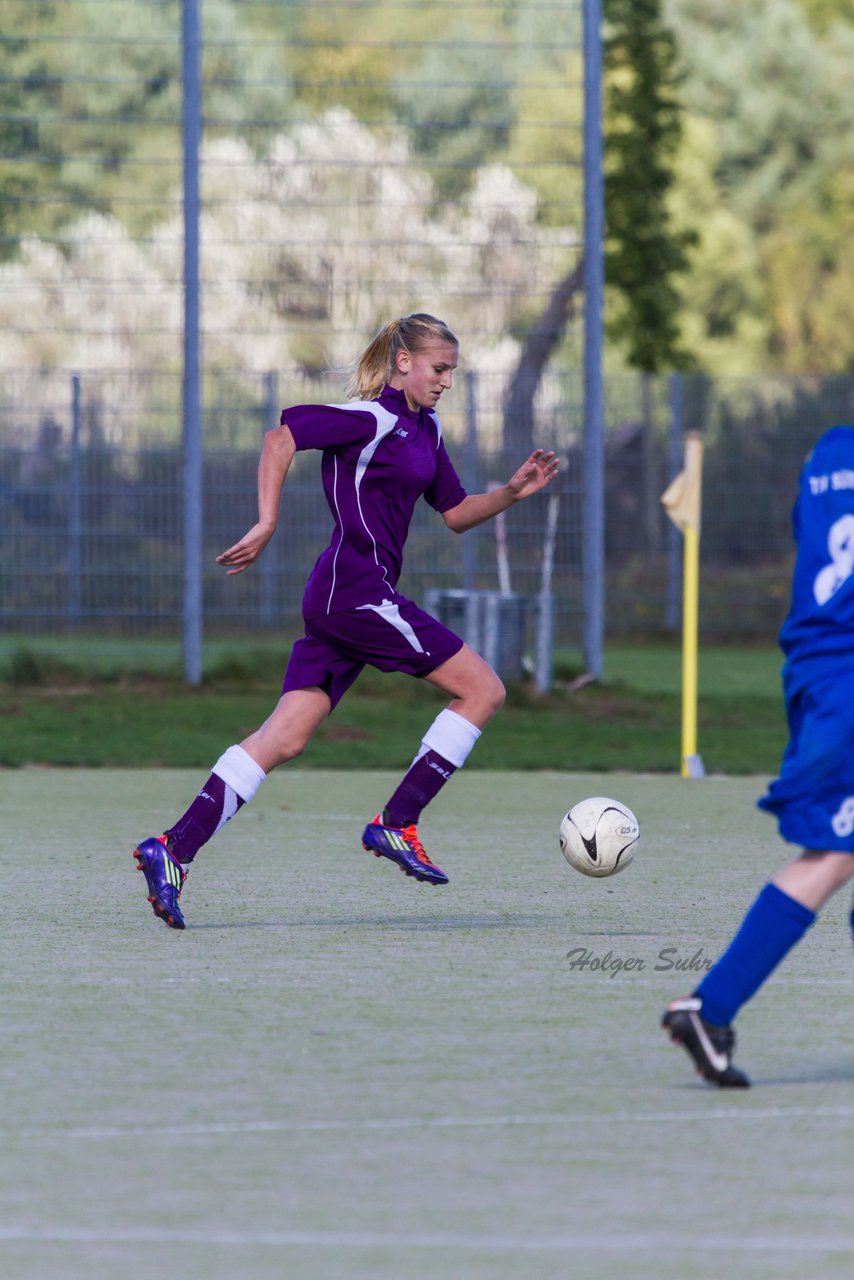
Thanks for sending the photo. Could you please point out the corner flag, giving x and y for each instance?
(682, 500)
(682, 497)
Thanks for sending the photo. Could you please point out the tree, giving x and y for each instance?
(287, 280)
(644, 252)
(459, 109)
(774, 94)
(91, 106)
(823, 13)
(541, 341)
(724, 317)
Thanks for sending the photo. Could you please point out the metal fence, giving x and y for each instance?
(91, 513)
(358, 159)
(291, 174)
(91, 528)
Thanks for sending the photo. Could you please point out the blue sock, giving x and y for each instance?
(770, 929)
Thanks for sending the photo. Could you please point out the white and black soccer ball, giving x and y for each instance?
(599, 836)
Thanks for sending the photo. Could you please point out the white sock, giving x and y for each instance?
(240, 772)
(451, 736)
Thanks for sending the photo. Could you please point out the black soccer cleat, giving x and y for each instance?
(710, 1047)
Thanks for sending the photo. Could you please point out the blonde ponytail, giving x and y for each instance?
(372, 371)
(377, 363)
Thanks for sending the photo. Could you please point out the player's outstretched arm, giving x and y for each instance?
(534, 474)
(277, 454)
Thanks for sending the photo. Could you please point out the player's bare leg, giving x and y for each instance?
(287, 732)
(477, 692)
(815, 877)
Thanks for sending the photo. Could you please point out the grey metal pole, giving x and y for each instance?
(593, 525)
(192, 398)
(74, 509)
(673, 588)
(544, 660)
(470, 539)
(269, 566)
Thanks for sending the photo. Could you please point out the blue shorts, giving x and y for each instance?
(393, 636)
(813, 798)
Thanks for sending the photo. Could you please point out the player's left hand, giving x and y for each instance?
(534, 474)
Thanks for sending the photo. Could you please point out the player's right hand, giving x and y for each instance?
(247, 550)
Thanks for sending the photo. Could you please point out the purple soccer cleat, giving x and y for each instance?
(165, 878)
(401, 845)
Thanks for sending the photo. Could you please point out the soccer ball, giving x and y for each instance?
(599, 836)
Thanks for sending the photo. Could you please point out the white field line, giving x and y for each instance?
(426, 1123)
(607, 1243)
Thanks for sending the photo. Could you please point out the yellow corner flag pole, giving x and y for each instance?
(682, 500)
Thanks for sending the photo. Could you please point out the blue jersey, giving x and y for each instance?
(813, 798)
(820, 623)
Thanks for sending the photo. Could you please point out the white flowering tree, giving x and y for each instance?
(305, 252)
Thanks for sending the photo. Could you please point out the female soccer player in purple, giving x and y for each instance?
(381, 452)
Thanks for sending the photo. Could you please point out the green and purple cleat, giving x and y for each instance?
(165, 878)
(401, 845)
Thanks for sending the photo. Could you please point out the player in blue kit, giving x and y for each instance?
(381, 452)
(813, 798)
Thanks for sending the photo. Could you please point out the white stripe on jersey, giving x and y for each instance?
(438, 427)
(386, 422)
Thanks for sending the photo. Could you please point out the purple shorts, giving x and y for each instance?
(393, 636)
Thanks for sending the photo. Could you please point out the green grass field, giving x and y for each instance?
(87, 712)
(335, 1072)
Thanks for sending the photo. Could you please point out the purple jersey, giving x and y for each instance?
(379, 457)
